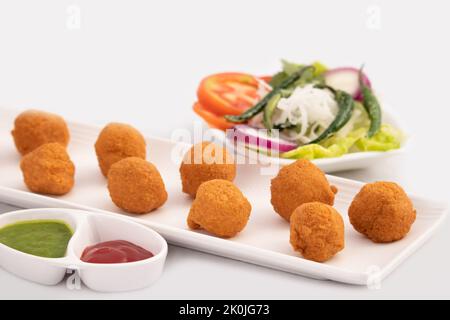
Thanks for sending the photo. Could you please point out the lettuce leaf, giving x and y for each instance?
(388, 138)
(330, 148)
(289, 68)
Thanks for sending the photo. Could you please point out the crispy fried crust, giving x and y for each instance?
(34, 128)
(219, 208)
(317, 231)
(203, 162)
(298, 183)
(48, 170)
(118, 141)
(382, 211)
(136, 186)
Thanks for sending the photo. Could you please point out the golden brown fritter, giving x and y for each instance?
(48, 170)
(317, 231)
(203, 162)
(118, 141)
(219, 208)
(298, 183)
(136, 186)
(34, 128)
(382, 211)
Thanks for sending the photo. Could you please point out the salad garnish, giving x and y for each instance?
(317, 112)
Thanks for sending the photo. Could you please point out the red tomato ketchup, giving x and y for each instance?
(117, 251)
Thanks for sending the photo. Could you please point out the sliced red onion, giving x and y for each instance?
(259, 138)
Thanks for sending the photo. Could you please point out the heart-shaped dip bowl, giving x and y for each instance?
(88, 228)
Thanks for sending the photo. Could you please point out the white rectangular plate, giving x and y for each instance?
(265, 240)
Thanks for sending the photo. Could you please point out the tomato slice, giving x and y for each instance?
(213, 120)
(228, 93)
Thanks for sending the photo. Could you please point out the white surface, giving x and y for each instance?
(89, 228)
(353, 265)
(127, 58)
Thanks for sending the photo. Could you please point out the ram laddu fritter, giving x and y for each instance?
(317, 231)
(298, 183)
(382, 211)
(34, 128)
(219, 208)
(118, 141)
(203, 162)
(136, 186)
(48, 170)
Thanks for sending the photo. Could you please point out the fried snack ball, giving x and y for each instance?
(219, 208)
(118, 141)
(203, 162)
(317, 231)
(136, 186)
(34, 128)
(382, 211)
(48, 170)
(298, 183)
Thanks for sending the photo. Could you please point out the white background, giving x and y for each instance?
(140, 62)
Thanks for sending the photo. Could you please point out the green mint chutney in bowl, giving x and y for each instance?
(43, 238)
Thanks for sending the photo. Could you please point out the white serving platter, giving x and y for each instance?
(350, 161)
(265, 240)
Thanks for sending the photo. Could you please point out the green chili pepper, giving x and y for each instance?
(372, 106)
(250, 113)
(269, 110)
(346, 104)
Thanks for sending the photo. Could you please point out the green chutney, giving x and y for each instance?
(43, 238)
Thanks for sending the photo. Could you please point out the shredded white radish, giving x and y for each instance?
(310, 108)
